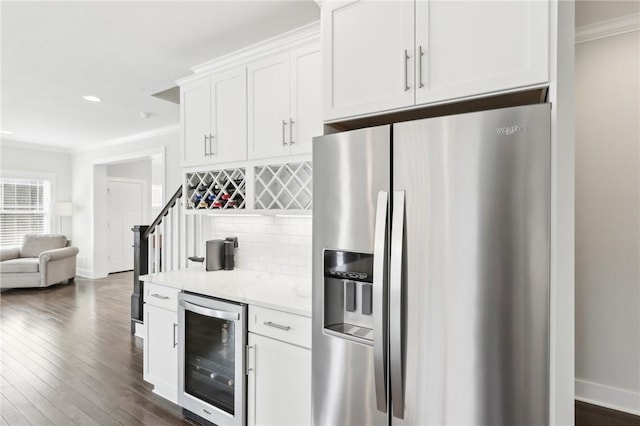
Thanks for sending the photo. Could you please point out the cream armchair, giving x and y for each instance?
(42, 260)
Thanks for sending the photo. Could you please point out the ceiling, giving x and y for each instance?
(53, 53)
(591, 11)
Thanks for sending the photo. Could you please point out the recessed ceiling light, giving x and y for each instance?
(6, 132)
(91, 98)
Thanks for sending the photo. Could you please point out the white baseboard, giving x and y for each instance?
(140, 330)
(609, 397)
(85, 273)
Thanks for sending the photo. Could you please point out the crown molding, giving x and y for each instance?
(288, 40)
(609, 28)
(174, 128)
(24, 144)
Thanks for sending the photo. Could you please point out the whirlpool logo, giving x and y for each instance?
(511, 130)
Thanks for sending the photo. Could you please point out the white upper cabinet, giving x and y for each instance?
(214, 118)
(306, 98)
(475, 47)
(264, 101)
(196, 122)
(365, 66)
(391, 55)
(284, 102)
(229, 116)
(268, 104)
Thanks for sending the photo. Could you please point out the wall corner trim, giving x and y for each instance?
(608, 397)
(608, 28)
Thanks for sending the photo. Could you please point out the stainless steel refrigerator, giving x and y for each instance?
(431, 271)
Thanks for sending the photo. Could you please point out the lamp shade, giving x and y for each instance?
(64, 209)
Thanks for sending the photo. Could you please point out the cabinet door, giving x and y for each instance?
(229, 116)
(196, 123)
(160, 353)
(365, 66)
(268, 104)
(476, 47)
(279, 383)
(306, 98)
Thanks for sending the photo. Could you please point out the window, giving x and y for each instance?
(24, 209)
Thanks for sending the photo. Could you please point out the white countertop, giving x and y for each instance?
(282, 292)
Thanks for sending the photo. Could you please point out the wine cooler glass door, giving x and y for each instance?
(210, 360)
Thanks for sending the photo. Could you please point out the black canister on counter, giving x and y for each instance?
(230, 245)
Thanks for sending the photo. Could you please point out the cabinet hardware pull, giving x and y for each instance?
(211, 149)
(421, 54)
(284, 124)
(291, 141)
(205, 145)
(175, 341)
(248, 348)
(406, 70)
(159, 296)
(281, 327)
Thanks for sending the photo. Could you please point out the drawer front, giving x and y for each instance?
(280, 325)
(161, 296)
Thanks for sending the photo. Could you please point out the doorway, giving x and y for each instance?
(125, 208)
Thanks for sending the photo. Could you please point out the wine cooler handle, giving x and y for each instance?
(395, 305)
(248, 357)
(175, 341)
(379, 302)
(214, 313)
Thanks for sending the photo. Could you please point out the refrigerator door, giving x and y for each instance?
(351, 183)
(474, 280)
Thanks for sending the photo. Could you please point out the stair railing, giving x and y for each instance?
(160, 247)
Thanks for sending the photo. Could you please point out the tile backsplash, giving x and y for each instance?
(266, 243)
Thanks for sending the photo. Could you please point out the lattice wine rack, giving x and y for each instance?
(283, 186)
(216, 190)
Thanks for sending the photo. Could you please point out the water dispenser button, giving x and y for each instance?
(350, 296)
(366, 299)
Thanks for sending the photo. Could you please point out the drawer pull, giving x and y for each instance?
(274, 325)
(159, 296)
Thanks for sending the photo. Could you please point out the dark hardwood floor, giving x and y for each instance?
(67, 357)
(594, 415)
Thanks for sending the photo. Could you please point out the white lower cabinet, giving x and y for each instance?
(279, 364)
(160, 341)
(279, 383)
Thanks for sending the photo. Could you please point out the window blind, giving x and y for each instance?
(24, 209)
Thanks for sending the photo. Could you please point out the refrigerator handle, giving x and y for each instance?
(395, 305)
(380, 301)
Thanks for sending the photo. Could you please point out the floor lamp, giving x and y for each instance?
(63, 209)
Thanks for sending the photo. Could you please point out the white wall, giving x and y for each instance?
(89, 175)
(280, 245)
(35, 160)
(608, 221)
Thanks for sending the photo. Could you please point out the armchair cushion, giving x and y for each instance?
(33, 245)
(21, 265)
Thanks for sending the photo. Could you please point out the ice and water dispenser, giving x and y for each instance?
(348, 295)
